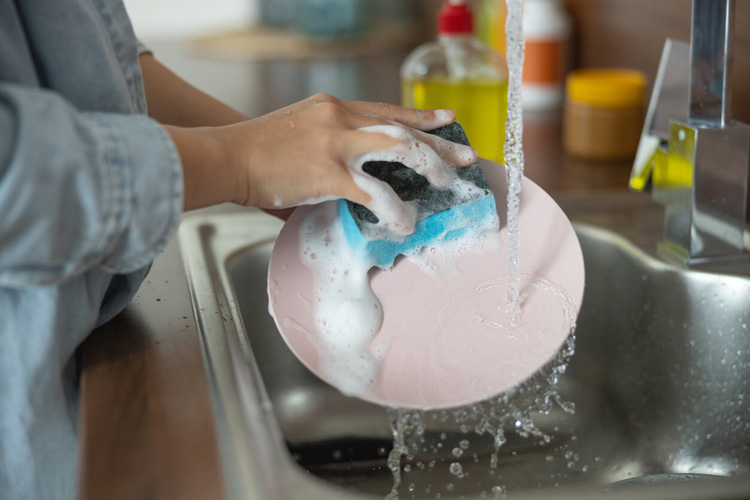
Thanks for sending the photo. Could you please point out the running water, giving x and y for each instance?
(440, 441)
(513, 146)
(539, 394)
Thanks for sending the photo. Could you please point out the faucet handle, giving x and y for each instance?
(669, 100)
(693, 157)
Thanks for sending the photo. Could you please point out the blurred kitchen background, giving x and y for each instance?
(624, 33)
(260, 55)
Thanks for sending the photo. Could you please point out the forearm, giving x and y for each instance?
(173, 101)
(179, 106)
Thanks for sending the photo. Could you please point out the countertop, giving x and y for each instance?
(146, 422)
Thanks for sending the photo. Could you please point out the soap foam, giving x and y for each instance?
(439, 260)
(395, 215)
(280, 203)
(462, 190)
(347, 315)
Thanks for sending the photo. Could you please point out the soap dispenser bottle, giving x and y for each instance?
(459, 72)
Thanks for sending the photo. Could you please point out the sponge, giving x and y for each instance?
(442, 214)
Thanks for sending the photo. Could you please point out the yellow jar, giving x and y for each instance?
(603, 113)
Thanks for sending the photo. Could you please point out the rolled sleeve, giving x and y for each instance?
(79, 190)
(143, 48)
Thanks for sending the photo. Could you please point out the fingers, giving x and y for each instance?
(434, 158)
(394, 215)
(455, 153)
(365, 115)
(419, 119)
(342, 136)
(412, 153)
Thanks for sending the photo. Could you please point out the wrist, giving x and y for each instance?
(209, 174)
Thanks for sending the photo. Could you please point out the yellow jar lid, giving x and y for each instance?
(606, 88)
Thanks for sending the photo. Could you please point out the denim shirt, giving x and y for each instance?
(90, 192)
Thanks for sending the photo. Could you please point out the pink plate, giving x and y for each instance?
(447, 340)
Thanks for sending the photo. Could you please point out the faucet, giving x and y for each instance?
(695, 157)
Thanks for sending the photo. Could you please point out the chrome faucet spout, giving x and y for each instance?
(698, 162)
(711, 62)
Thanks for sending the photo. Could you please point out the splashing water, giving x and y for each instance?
(404, 423)
(511, 411)
(513, 145)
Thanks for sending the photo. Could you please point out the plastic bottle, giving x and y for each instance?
(546, 29)
(459, 72)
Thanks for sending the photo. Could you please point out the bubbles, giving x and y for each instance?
(456, 469)
(347, 314)
(442, 255)
(421, 434)
(461, 192)
(397, 216)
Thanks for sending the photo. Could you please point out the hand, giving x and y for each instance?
(314, 150)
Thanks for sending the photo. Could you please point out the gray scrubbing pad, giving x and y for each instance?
(413, 187)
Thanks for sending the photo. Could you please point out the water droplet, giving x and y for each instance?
(456, 469)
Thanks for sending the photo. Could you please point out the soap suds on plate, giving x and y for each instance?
(347, 314)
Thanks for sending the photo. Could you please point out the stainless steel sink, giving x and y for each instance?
(660, 381)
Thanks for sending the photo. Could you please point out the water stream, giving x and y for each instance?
(511, 411)
(513, 144)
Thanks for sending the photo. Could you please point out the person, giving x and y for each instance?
(101, 149)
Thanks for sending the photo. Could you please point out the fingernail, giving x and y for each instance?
(471, 154)
(445, 115)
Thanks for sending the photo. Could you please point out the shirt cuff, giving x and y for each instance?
(143, 49)
(145, 188)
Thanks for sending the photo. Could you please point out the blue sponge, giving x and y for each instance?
(443, 214)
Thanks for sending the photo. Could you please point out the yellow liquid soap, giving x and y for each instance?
(481, 107)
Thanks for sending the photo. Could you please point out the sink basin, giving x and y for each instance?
(660, 383)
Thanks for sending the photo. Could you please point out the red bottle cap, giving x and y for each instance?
(455, 19)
